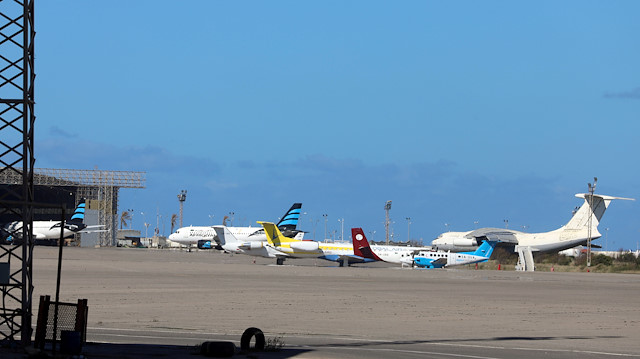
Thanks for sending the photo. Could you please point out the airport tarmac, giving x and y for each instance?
(161, 303)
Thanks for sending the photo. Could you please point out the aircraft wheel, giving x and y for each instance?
(280, 261)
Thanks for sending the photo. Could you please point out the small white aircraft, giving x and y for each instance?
(193, 234)
(51, 229)
(392, 254)
(574, 233)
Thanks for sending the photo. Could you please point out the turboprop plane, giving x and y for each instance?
(52, 229)
(295, 248)
(440, 259)
(191, 235)
(576, 232)
(392, 254)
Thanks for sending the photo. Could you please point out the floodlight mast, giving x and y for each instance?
(387, 208)
(182, 197)
(592, 189)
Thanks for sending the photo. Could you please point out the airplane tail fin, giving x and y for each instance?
(361, 246)
(485, 249)
(290, 219)
(78, 214)
(274, 236)
(593, 207)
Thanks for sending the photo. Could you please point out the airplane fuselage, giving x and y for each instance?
(430, 259)
(553, 241)
(396, 254)
(41, 229)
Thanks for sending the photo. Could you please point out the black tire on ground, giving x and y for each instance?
(280, 261)
(245, 341)
(218, 349)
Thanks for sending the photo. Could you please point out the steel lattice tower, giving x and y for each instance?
(16, 156)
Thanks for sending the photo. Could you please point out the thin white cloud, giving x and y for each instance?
(632, 94)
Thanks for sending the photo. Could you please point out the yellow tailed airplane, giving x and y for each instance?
(286, 247)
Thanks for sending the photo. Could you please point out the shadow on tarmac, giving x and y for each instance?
(474, 340)
(133, 351)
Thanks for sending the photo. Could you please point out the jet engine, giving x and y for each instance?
(307, 246)
(251, 245)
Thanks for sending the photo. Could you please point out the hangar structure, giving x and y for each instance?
(99, 187)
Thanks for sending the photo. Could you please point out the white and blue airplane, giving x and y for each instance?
(192, 234)
(439, 259)
(51, 229)
(397, 254)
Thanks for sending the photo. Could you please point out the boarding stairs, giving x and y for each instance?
(525, 259)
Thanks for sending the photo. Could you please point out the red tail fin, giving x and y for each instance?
(361, 246)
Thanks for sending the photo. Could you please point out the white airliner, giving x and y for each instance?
(51, 229)
(392, 254)
(574, 233)
(191, 235)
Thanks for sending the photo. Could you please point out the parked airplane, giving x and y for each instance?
(294, 248)
(191, 235)
(439, 259)
(575, 232)
(230, 243)
(392, 254)
(51, 229)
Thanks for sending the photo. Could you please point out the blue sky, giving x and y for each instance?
(457, 111)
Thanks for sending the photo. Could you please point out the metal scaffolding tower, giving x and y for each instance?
(16, 157)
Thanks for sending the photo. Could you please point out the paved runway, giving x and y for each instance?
(166, 301)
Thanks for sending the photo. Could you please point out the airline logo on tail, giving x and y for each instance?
(361, 246)
(290, 219)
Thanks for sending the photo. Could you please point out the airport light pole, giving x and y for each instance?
(211, 218)
(606, 239)
(325, 226)
(506, 223)
(592, 189)
(144, 218)
(181, 198)
(408, 229)
(342, 228)
(231, 214)
(387, 209)
(446, 225)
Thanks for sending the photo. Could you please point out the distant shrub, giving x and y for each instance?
(602, 259)
(627, 258)
(504, 256)
(581, 260)
(564, 260)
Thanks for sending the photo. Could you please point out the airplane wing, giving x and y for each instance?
(440, 262)
(93, 230)
(348, 259)
(494, 235)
